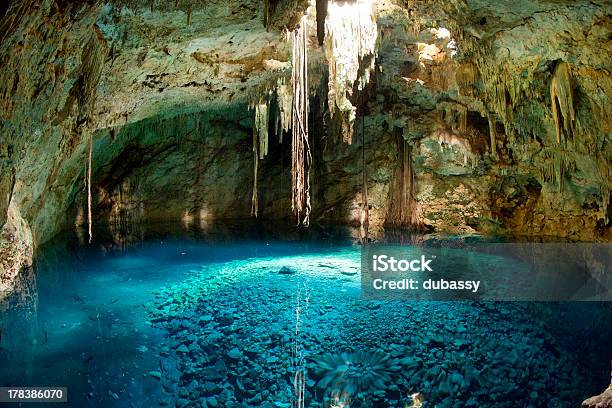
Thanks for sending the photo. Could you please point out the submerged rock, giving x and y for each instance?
(155, 374)
(438, 350)
(235, 354)
(285, 270)
(216, 372)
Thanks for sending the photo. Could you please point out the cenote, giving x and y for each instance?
(305, 203)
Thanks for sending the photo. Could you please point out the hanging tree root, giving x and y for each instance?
(89, 164)
(403, 211)
(301, 157)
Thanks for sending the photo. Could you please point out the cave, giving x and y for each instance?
(305, 203)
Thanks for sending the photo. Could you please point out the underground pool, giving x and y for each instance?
(221, 319)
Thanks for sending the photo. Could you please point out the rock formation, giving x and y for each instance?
(602, 400)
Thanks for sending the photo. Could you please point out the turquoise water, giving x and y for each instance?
(243, 320)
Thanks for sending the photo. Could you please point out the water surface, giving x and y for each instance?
(240, 319)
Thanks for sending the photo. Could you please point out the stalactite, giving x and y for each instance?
(553, 164)
(350, 39)
(301, 158)
(556, 161)
(605, 194)
(503, 90)
(260, 148)
(492, 135)
(561, 96)
(603, 176)
(456, 118)
(284, 98)
(495, 89)
(466, 77)
(514, 100)
(449, 140)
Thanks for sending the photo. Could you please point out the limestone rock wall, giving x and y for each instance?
(469, 84)
(44, 83)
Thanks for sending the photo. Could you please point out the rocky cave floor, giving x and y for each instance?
(232, 331)
(189, 323)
